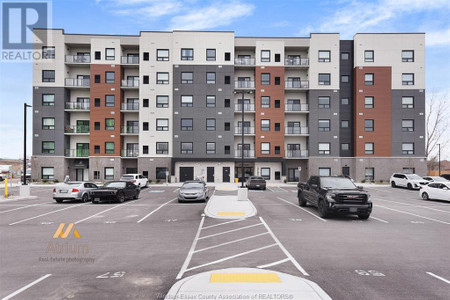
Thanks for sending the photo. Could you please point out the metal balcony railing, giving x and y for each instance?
(76, 152)
(130, 83)
(247, 130)
(79, 59)
(297, 153)
(244, 61)
(130, 129)
(129, 60)
(241, 84)
(296, 61)
(129, 153)
(296, 107)
(129, 106)
(78, 105)
(76, 129)
(296, 84)
(78, 82)
(247, 107)
(247, 153)
(296, 130)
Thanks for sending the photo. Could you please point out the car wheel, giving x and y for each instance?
(425, 196)
(393, 184)
(363, 216)
(301, 200)
(323, 213)
(85, 197)
(264, 188)
(136, 195)
(59, 200)
(180, 201)
(121, 197)
(409, 186)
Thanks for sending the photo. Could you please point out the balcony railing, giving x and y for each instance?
(129, 60)
(240, 84)
(76, 129)
(296, 84)
(247, 130)
(129, 153)
(297, 153)
(296, 130)
(129, 106)
(76, 152)
(247, 153)
(247, 107)
(78, 105)
(78, 82)
(296, 61)
(130, 129)
(244, 61)
(78, 59)
(296, 107)
(130, 83)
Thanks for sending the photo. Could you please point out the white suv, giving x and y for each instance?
(411, 181)
(137, 179)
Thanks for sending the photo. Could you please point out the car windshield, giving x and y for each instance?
(256, 178)
(115, 184)
(414, 177)
(439, 179)
(192, 186)
(337, 183)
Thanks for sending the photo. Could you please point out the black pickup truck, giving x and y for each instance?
(335, 194)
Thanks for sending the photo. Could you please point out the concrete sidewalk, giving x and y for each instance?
(229, 207)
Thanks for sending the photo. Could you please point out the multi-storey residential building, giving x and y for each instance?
(173, 103)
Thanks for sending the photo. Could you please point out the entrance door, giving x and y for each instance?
(226, 174)
(79, 175)
(210, 174)
(293, 175)
(186, 173)
(346, 171)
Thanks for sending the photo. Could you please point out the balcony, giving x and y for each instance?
(296, 130)
(129, 60)
(129, 153)
(244, 61)
(78, 59)
(240, 84)
(76, 129)
(247, 130)
(291, 107)
(77, 106)
(297, 154)
(248, 107)
(131, 130)
(247, 153)
(130, 83)
(78, 82)
(76, 152)
(129, 106)
(296, 62)
(296, 84)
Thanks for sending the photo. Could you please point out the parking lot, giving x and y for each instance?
(140, 248)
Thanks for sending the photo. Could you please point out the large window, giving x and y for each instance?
(210, 101)
(162, 55)
(408, 148)
(162, 148)
(48, 147)
(369, 56)
(324, 79)
(210, 124)
(345, 123)
(109, 148)
(47, 173)
(162, 101)
(324, 149)
(407, 79)
(161, 173)
(186, 101)
(324, 56)
(368, 102)
(265, 55)
(110, 54)
(210, 148)
(368, 125)
(48, 52)
(48, 100)
(265, 173)
(369, 148)
(110, 77)
(187, 77)
(369, 174)
(265, 125)
(265, 148)
(187, 54)
(187, 148)
(162, 78)
(210, 54)
(368, 79)
(407, 102)
(324, 102)
(109, 173)
(48, 76)
(109, 100)
(345, 78)
(48, 123)
(407, 125)
(187, 124)
(265, 102)
(324, 125)
(324, 171)
(407, 55)
(265, 78)
(210, 77)
(109, 124)
(162, 124)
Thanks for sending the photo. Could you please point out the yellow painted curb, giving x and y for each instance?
(244, 277)
(230, 213)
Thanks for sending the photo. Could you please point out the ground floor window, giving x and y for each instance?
(161, 173)
(145, 174)
(131, 170)
(109, 173)
(324, 171)
(96, 175)
(370, 174)
(277, 175)
(265, 173)
(48, 173)
(409, 170)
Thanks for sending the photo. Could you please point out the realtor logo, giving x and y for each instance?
(59, 232)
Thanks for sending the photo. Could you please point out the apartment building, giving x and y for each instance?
(172, 105)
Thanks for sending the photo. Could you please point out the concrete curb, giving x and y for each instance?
(228, 207)
(16, 198)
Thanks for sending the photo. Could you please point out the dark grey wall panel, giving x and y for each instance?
(346, 91)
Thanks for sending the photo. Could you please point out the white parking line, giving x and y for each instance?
(292, 259)
(406, 204)
(378, 219)
(49, 213)
(283, 190)
(26, 287)
(161, 206)
(228, 222)
(439, 277)
(26, 206)
(231, 242)
(408, 213)
(176, 190)
(314, 215)
(233, 230)
(274, 263)
(191, 251)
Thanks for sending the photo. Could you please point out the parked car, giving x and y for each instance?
(2, 177)
(435, 179)
(436, 190)
(115, 190)
(193, 190)
(137, 179)
(332, 194)
(446, 176)
(74, 190)
(256, 182)
(411, 181)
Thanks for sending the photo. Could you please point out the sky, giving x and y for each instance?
(245, 18)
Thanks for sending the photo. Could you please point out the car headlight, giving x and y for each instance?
(330, 197)
(369, 198)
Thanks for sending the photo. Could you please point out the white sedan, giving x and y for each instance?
(435, 190)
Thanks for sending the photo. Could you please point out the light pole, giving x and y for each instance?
(25, 106)
(439, 159)
(243, 92)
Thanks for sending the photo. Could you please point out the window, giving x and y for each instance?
(162, 78)
(187, 77)
(161, 173)
(97, 102)
(265, 173)
(277, 103)
(265, 148)
(324, 149)
(265, 125)
(97, 78)
(324, 79)
(277, 80)
(409, 170)
(265, 78)
(345, 124)
(265, 101)
(146, 56)
(210, 148)
(110, 53)
(97, 175)
(162, 148)
(369, 56)
(345, 56)
(277, 127)
(109, 148)
(265, 55)
(109, 100)
(407, 102)
(210, 101)
(227, 126)
(210, 124)
(324, 171)
(227, 149)
(227, 56)
(344, 101)
(210, 54)
(145, 79)
(48, 52)
(48, 123)
(109, 77)
(162, 55)
(187, 124)
(145, 102)
(324, 102)
(48, 100)
(345, 78)
(210, 77)
(96, 125)
(408, 148)
(368, 148)
(277, 57)
(145, 126)
(368, 79)
(407, 79)
(145, 149)
(324, 56)
(109, 124)
(109, 173)
(369, 174)
(186, 148)
(408, 125)
(227, 102)
(407, 55)
(324, 125)
(345, 146)
(162, 124)
(368, 125)
(162, 101)
(48, 76)
(186, 101)
(47, 173)
(98, 55)
(97, 149)
(368, 102)
(227, 79)
(48, 147)
(277, 149)
(187, 54)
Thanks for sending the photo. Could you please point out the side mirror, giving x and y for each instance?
(360, 187)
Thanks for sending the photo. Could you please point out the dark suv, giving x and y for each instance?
(335, 194)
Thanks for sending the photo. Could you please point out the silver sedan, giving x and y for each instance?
(193, 191)
(73, 190)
